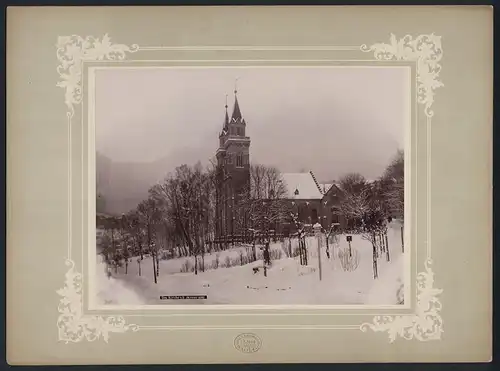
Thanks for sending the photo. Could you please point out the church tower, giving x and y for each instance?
(233, 172)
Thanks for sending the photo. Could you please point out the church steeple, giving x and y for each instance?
(236, 117)
(226, 118)
(225, 127)
(233, 175)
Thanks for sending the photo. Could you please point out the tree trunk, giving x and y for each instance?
(203, 259)
(154, 268)
(139, 245)
(157, 265)
(387, 247)
(304, 250)
(402, 240)
(195, 264)
(254, 250)
(375, 270)
(300, 252)
(139, 262)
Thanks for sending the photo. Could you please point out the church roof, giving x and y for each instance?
(301, 186)
(225, 126)
(226, 120)
(236, 116)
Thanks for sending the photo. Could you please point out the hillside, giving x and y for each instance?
(124, 184)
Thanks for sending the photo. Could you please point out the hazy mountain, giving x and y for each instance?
(122, 185)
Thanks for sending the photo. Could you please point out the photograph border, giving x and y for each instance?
(425, 51)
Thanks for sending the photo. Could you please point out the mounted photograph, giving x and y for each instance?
(280, 185)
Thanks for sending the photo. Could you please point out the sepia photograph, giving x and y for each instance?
(250, 185)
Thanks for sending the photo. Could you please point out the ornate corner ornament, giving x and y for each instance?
(74, 326)
(423, 325)
(72, 51)
(426, 323)
(426, 51)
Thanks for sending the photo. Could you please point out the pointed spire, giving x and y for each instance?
(236, 110)
(226, 118)
(225, 127)
(236, 116)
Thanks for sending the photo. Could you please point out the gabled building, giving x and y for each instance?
(304, 196)
(330, 202)
(313, 202)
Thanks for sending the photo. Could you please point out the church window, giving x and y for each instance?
(229, 159)
(335, 218)
(239, 160)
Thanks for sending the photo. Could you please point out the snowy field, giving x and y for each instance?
(287, 282)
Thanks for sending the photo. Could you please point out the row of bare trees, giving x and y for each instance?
(178, 218)
(369, 206)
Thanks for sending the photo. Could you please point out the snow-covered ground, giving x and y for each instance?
(113, 291)
(287, 282)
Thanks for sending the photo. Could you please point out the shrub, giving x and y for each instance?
(186, 267)
(348, 262)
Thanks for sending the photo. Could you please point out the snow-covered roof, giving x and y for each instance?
(301, 186)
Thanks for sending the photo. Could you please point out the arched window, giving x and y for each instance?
(239, 160)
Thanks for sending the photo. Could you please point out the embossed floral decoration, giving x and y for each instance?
(425, 324)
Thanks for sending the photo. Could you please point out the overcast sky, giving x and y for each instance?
(324, 119)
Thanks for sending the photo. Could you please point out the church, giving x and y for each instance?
(233, 171)
(304, 195)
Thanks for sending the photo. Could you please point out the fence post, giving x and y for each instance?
(317, 232)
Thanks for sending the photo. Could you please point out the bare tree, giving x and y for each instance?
(262, 207)
(149, 215)
(352, 183)
(353, 199)
(185, 201)
(329, 232)
(301, 236)
(393, 183)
